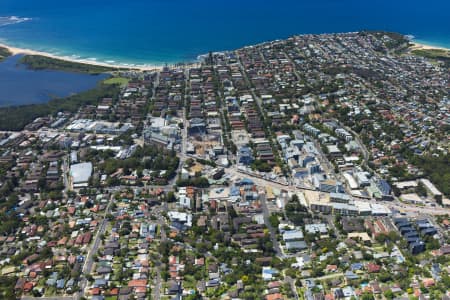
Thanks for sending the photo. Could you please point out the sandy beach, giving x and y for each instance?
(15, 51)
(420, 46)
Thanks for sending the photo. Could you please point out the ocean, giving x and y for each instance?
(169, 31)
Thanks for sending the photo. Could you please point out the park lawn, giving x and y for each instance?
(117, 80)
(432, 53)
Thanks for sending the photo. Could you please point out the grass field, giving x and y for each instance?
(433, 53)
(116, 80)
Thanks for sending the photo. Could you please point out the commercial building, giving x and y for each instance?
(437, 195)
(80, 174)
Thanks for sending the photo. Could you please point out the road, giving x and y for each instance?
(272, 231)
(48, 298)
(330, 219)
(65, 169)
(402, 207)
(411, 208)
(324, 161)
(233, 171)
(291, 282)
(261, 109)
(165, 188)
(156, 292)
(89, 261)
(361, 145)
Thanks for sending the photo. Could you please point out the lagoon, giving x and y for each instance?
(20, 85)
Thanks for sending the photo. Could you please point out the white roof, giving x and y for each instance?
(412, 197)
(333, 149)
(296, 245)
(158, 122)
(406, 184)
(292, 235)
(81, 172)
(362, 205)
(313, 228)
(431, 187)
(181, 217)
(351, 181)
(380, 209)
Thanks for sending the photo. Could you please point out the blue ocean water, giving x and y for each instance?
(19, 85)
(168, 31)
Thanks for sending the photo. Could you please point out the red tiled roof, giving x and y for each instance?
(137, 283)
(140, 289)
(427, 282)
(28, 286)
(114, 291)
(276, 296)
(373, 268)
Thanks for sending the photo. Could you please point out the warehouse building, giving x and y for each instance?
(80, 174)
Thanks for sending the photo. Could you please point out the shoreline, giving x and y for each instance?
(23, 51)
(425, 46)
(149, 67)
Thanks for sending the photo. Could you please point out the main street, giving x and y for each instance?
(272, 231)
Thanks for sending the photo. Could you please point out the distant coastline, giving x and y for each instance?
(416, 45)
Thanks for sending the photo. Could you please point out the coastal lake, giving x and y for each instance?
(20, 85)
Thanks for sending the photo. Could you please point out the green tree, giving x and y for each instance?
(389, 294)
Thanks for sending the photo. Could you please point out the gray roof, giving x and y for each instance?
(293, 235)
(81, 172)
(296, 245)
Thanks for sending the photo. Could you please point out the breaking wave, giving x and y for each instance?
(11, 20)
